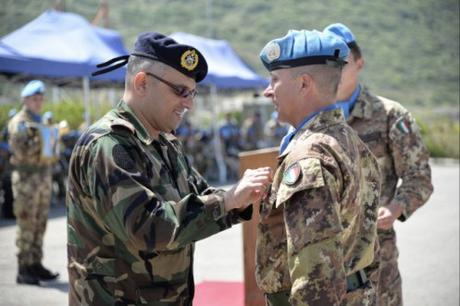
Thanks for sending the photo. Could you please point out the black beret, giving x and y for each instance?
(185, 59)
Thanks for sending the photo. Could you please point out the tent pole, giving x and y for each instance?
(86, 100)
(216, 137)
(55, 95)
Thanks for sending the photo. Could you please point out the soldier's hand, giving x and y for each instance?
(251, 188)
(387, 215)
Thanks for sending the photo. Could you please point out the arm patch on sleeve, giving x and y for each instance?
(122, 158)
(404, 125)
(310, 176)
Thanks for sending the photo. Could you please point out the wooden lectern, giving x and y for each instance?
(251, 160)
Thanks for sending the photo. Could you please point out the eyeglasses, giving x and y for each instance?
(180, 91)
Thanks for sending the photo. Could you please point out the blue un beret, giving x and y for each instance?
(343, 32)
(32, 88)
(300, 48)
(185, 59)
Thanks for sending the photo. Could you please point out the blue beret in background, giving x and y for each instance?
(342, 31)
(32, 88)
(300, 48)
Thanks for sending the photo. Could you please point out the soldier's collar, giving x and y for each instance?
(32, 116)
(320, 121)
(363, 105)
(139, 130)
(325, 119)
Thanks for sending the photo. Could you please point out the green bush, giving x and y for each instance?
(441, 136)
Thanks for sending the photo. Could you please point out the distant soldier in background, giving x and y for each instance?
(275, 130)
(392, 135)
(253, 132)
(230, 136)
(31, 181)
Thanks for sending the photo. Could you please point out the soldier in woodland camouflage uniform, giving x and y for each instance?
(392, 135)
(31, 182)
(135, 205)
(317, 227)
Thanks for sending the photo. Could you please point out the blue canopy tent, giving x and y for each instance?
(61, 45)
(226, 70)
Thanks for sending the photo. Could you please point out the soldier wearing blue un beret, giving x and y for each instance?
(392, 134)
(31, 183)
(318, 225)
(135, 204)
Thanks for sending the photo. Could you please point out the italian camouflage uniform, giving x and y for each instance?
(31, 183)
(135, 207)
(318, 226)
(392, 135)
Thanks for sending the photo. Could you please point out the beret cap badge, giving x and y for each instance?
(189, 60)
(273, 51)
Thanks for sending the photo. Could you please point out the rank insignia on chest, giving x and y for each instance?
(292, 174)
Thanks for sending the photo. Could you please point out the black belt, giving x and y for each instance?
(356, 280)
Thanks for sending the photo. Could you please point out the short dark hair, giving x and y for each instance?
(355, 50)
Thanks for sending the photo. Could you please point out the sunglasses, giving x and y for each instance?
(180, 91)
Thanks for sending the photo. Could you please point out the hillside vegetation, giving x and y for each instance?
(411, 46)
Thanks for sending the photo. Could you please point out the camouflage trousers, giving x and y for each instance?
(363, 296)
(390, 284)
(32, 195)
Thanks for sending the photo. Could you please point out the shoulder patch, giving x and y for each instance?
(310, 176)
(404, 126)
(292, 174)
(122, 158)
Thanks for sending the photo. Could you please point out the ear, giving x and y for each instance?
(360, 63)
(306, 83)
(140, 83)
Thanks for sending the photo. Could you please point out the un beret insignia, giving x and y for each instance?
(273, 51)
(189, 60)
(292, 174)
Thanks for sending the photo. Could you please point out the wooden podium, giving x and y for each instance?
(251, 160)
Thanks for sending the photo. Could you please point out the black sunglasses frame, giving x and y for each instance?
(180, 91)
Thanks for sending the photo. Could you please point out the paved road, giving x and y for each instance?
(429, 253)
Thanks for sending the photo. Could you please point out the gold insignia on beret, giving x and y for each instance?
(189, 60)
(273, 51)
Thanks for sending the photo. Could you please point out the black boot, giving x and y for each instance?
(43, 273)
(26, 276)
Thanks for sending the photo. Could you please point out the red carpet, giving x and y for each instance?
(219, 294)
